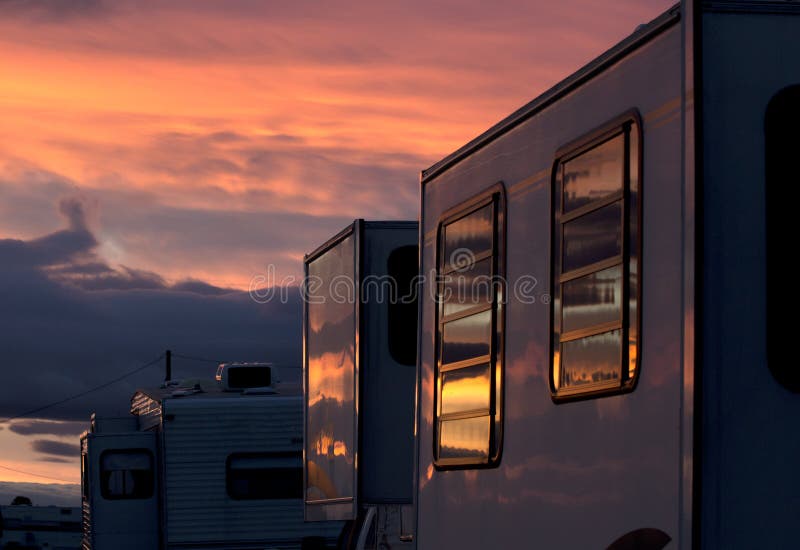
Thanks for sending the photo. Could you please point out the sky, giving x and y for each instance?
(155, 158)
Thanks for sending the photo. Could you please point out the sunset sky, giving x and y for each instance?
(156, 156)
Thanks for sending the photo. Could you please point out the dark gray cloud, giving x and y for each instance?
(39, 427)
(71, 322)
(54, 459)
(58, 448)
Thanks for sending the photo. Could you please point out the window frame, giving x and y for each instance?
(104, 489)
(494, 195)
(625, 125)
(265, 455)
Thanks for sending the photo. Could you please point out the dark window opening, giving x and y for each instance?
(595, 263)
(782, 141)
(403, 268)
(126, 474)
(262, 476)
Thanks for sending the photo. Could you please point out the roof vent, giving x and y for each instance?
(241, 376)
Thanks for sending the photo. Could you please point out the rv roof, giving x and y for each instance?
(208, 389)
(640, 36)
(400, 224)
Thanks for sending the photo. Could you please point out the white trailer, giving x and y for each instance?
(359, 358)
(602, 359)
(202, 464)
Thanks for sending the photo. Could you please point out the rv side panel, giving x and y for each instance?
(751, 122)
(388, 373)
(556, 471)
(208, 444)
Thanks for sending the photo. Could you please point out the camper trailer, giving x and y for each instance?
(359, 353)
(601, 361)
(201, 464)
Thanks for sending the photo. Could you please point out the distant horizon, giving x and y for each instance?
(41, 494)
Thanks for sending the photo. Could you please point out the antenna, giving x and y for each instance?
(168, 374)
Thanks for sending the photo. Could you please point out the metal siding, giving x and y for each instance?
(751, 489)
(197, 442)
(387, 405)
(577, 474)
(122, 524)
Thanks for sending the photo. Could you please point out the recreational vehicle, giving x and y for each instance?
(623, 380)
(359, 353)
(201, 464)
(602, 359)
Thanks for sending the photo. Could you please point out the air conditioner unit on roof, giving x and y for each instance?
(241, 376)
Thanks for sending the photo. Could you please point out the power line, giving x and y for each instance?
(86, 392)
(35, 475)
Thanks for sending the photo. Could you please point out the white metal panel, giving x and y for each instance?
(199, 436)
(128, 524)
(573, 475)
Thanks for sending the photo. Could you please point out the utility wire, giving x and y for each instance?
(35, 475)
(86, 392)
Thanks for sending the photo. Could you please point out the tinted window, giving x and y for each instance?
(260, 476)
(403, 268)
(782, 139)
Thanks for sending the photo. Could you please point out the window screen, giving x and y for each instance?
(126, 474)
(261, 476)
(468, 405)
(596, 265)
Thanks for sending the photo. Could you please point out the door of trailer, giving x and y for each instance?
(120, 490)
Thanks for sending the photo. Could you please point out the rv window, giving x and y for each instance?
(260, 476)
(126, 474)
(402, 267)
(596, 265)
(469, 350)
(782, 141)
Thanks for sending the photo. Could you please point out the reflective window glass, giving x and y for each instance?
(594, 174)
(591, 360)
(468, 237)
(466, 389)
(465, 438)
(466, 288)
(467, 337)
(593, 237)
(593, 299)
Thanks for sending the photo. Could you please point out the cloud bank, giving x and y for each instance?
(71, 321)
